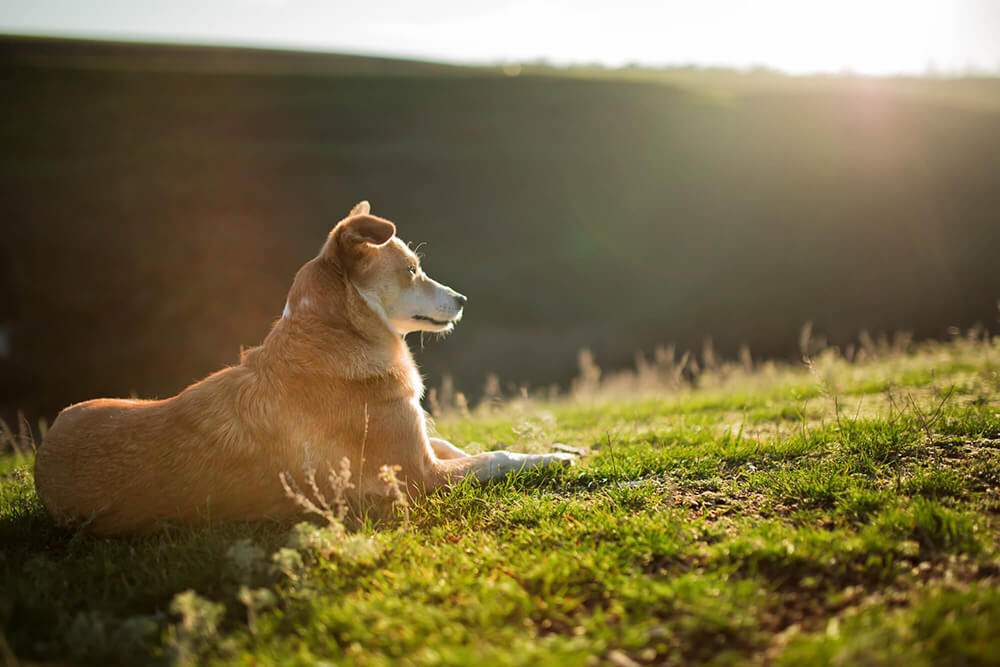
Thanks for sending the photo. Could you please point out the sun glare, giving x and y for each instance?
(868, 37)
(798, 37)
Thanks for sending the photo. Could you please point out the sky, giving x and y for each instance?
(795, 36)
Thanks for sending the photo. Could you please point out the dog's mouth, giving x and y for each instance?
(439, 323)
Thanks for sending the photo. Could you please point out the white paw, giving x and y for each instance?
(563, 447)
(565, 460)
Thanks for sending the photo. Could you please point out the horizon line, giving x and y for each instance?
(930, 72)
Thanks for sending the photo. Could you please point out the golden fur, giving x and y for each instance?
(334, 378)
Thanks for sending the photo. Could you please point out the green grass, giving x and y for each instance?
(843, 515)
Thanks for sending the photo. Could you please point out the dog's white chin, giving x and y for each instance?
(438, 329)
(412, 325)
(445, 327)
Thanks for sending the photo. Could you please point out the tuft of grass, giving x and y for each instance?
(941, 626)
(980, 420)
(937, 529)
(815, 486)
(859, 505)
(935, 483)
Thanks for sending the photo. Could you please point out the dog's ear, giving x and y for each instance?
(361, 208)
(357, 235)
(365, 229)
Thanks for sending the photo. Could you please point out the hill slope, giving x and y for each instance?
(46, 52)
(154, 214)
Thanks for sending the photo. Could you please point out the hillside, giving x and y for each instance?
(44, 52)
(156, 202)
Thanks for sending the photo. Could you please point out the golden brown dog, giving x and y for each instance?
(333, 379)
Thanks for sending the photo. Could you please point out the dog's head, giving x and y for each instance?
(388, 276)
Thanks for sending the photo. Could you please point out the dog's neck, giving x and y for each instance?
(354, 344)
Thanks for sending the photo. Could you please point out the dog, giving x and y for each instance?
(333, 379)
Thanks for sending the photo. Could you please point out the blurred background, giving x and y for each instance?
(591, 174)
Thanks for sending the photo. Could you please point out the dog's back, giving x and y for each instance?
(123, 465)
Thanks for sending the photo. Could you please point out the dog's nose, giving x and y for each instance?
(461, 300)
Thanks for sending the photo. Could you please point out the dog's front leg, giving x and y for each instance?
(445, 450)
(495, 465)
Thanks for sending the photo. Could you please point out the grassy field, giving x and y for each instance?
(840, 512)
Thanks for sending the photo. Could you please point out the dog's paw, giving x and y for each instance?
(563, 459)
(562, 447)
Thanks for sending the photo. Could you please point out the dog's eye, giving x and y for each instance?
(413, 269)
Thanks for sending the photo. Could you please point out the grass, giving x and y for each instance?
(847, 513)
